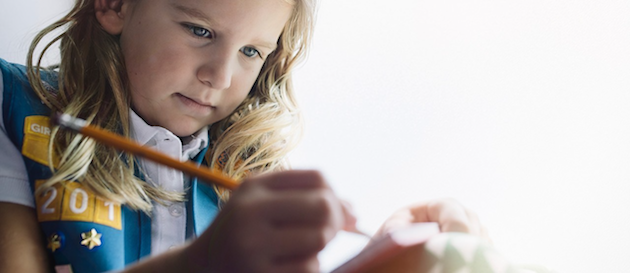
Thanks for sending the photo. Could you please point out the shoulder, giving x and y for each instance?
(14, 76)
(12, 72)
(14, 83)
(16, 87)
(19, 100)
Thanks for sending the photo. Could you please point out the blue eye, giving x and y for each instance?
(250, 52)
(199, 31)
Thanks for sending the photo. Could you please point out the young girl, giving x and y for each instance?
(208, 81)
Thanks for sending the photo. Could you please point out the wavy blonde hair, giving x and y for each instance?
(93, 85)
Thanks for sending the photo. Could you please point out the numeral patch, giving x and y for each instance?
(74, 202)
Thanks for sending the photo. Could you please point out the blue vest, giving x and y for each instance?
(83, 231)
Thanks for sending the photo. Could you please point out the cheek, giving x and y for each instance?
(246, 84)
(153, 64)
(239, 93)
(236, 101)
(152, 59)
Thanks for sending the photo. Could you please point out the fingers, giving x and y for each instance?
(273, 223)
(454, 217)
(448, 213)
(293, 198)
(474, 226)
(289, 180)
(295, 243)
(350, 220)
(314, 207)
(299, 264)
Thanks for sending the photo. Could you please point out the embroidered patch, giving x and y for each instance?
(49, 203)
(107, 213)
(222, 160)
(36, 138)
(75, 202)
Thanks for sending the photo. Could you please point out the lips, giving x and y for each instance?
(193, 106)
(194, 100)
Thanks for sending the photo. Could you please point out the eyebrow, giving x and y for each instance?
(192, 12)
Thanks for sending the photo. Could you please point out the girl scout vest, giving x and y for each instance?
(84, 233)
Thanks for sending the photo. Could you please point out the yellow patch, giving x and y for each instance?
(107, 213)
(78, 205)
(75, 202)
(49, 203)
(36, 138)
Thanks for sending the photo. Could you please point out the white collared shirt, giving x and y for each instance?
(168, 223)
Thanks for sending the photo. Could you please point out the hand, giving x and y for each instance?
(448, 213)
(350, 223)
(273, 223)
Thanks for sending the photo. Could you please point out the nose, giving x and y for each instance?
(216, 71)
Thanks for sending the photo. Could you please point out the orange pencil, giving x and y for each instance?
(125, 144)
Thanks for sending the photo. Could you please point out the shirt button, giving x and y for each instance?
(175, 210)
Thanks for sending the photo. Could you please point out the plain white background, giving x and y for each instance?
(518, 109)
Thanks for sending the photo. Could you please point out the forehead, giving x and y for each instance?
(252, 9)
(260, 16)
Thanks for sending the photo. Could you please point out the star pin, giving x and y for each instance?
(54, 242)
(91, 239)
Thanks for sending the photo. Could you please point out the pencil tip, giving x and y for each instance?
(67, 121)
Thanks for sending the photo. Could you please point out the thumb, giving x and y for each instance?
(350, 219)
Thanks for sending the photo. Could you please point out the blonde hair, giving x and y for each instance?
(93, 85)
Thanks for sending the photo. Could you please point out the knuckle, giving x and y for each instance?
(457, 226)
(314, 174)
(248, 183)
(320, 212)
(319, 240)
(316, 177)
(305, 265)
(445, 204)
(311, 265)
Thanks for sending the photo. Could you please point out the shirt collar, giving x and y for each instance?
(197, 142)
(142, 133)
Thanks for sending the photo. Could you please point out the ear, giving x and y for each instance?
(110, 14)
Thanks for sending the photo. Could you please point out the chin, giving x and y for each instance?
(181, 130)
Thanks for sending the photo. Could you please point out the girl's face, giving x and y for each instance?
(192, 62)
